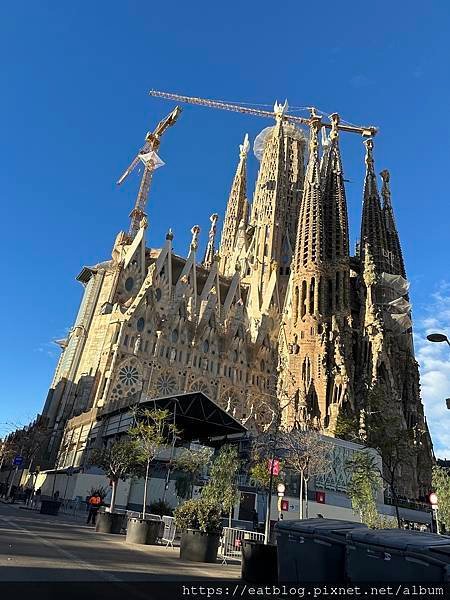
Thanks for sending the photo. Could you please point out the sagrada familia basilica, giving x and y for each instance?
(274, 320)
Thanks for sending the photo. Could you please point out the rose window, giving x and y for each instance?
(128, 375)
(200, 386)
(166, 384)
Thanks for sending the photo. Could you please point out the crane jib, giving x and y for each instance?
(368, 131)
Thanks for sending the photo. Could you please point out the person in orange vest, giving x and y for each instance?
(94, 503)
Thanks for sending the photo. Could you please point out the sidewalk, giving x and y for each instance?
(35, 547)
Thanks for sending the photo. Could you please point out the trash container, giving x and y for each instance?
(50, 507)
(313, 550)
(259, 562)
(396, 555)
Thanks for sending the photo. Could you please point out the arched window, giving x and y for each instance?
(312, 289)
(303, 300)
(329, 297)
(320, 292)
(296, 299)
(337, 291)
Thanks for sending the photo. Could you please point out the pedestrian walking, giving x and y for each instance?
(94, 503)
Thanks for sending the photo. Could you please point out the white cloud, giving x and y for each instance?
(434, 361)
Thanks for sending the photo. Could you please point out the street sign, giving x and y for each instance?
(274, 466)
(281, 489)
(18, 461)
(433, 499)
(320, 497)
(284, 505)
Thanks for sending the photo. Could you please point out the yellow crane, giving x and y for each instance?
(280, 111)
(149, 157)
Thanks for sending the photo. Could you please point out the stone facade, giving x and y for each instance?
(282, 322)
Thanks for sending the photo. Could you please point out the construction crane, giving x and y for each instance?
(280, 111)
(147, 155)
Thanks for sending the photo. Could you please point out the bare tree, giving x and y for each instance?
(309, 454)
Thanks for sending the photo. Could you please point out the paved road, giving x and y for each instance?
(41, 548)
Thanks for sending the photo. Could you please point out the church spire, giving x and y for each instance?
(237, 209)
(373, 230)
(393, 241)
(310, 233)
(335, 203)
(210, 247)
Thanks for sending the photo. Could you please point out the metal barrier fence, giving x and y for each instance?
(170, 531)
(74, 508)
(231, 542)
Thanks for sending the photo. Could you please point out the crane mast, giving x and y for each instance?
(147, 154)
(279, 112)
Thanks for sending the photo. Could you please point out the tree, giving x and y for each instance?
(396, 444)
(265, 449)
(309, 454)
(191, 463)
(382, 427)
(200, 514)
(260, 476)
(441, 484)
(150, 434)
(222, 487)
(364, 483)
(119, 461)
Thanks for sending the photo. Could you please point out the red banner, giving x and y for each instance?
(274, 465)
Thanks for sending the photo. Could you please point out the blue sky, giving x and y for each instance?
(74, 107)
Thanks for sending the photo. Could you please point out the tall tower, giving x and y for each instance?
(236, 212)
(276, 202)
(373, 228)
(393, 241)
(317, 331)
(305, 323)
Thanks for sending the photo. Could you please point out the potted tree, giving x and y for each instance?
(200, 523)
(190, 464)
(259, 558)
(150, 434)
(119, 462)
(222, 488)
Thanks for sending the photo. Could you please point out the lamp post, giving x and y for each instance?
(438, 337)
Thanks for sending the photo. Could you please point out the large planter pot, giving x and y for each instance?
(142, 531)
(50, 507)
(109, 522)
(259, 562)
(199, 546)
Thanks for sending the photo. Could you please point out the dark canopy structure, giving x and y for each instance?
(194, 414)
(198, 418)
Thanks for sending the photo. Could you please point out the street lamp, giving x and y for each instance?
(438, 337)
